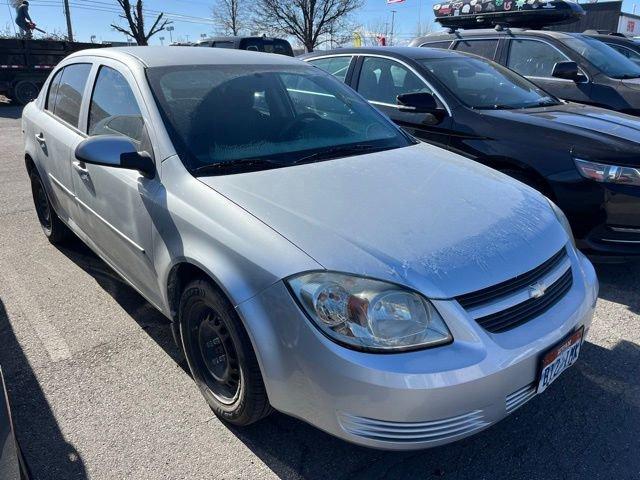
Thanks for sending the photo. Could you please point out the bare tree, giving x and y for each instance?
(231, 16)
(135, 18)
(312, 22)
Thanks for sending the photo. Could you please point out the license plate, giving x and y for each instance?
(559, 358)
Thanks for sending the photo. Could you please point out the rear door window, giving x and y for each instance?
(483, 48)
(70, 91)
(534, 58)
(336, 66)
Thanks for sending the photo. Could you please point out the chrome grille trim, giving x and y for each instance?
(413, 432)
(516, 298)
(518, 398)
(529, 309)
(511, 303)
(489, 294)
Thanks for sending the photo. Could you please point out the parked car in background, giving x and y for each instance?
(12, 465)
(585, 158)
(314, 258)
(256, 44)
(571, 66)
(628, 47)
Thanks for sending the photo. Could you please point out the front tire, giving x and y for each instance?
(220, 355)
(52, 226)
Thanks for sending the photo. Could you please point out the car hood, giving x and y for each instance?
(590, 132)
(419, 216)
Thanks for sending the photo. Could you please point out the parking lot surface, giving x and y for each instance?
(100, 391)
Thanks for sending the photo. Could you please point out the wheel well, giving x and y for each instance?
(179, 276)
(29, 164)
(502, 164)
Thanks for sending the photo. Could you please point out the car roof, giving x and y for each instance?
(482, 32)
(415, 53)
(237, 38)
(177, 55)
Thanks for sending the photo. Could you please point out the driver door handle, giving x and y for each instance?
(81, 169)
(40, 138)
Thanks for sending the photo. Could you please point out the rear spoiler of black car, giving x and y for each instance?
(534, 14)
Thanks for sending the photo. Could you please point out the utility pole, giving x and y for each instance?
(393, 17)
(67, 14)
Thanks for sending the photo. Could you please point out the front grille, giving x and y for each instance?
(494, 292)
(509, 304)
(413, 432)
(518, 398)
(525, 311)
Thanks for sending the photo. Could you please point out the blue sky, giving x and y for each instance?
(93, 17)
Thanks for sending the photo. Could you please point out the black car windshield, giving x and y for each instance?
(610, 62)
(482, 84)
(232, 118)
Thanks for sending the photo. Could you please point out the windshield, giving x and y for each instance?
(610, 62)
(239, 117)
(481, 84)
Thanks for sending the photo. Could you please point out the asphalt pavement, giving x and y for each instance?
(100, 391)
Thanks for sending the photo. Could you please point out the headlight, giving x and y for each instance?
(603, 173)
(369, 314)
(562, 218)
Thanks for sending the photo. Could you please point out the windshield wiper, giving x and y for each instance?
(341, 150)
(236, 166)
(497, 107)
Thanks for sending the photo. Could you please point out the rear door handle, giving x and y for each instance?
(40, 138)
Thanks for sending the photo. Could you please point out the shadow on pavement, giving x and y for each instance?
(47, 453)
(620, 283)
(7, 110)
(584, 426)
(154, 323)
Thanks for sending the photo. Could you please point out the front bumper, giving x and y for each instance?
(605, 218)
(415, 399)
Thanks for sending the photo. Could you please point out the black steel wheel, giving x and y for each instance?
(52, 226)
(220, 355)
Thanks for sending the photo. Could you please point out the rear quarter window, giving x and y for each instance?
(443, 44)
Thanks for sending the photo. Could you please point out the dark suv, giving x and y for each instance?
(571, 66)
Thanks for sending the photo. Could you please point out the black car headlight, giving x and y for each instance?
(605, 173)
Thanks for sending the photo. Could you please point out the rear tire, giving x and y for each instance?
(52, 226)
(25, 91)
(220, 355)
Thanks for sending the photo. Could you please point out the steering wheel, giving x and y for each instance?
(295, 123)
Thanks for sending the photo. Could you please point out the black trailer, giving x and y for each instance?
(25, 64)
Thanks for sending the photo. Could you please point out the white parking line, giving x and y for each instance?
(54, 344)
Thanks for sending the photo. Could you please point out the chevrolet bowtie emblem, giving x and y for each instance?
(536, 290)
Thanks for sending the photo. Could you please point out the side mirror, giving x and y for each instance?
(421, 102)
(115, 151)
(566, 71)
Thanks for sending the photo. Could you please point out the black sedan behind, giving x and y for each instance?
(585, 158)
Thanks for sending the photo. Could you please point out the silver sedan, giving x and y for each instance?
(312, 257)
